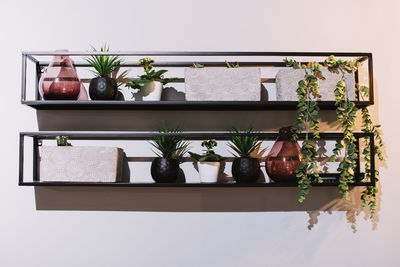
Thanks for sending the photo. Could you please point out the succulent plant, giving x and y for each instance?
(169, 146)
(104, 65)
(150, 75)
(62, 140)
(209, 154)
(244, 145)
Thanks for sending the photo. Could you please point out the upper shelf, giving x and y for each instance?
(178, 105)
(34, 62)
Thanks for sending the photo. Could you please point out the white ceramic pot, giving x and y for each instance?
(208, 171)
(152, 91)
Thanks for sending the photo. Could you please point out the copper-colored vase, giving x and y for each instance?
(284, 157)
(60, 80)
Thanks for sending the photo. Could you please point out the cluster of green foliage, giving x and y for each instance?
(197, 66)
(62, 140)
(307, 120)
(104, 65)
(346, 112)
(209, 154)
(244, 143)
(369, 195)
(169, 144)
(231, 65)
(150, 75)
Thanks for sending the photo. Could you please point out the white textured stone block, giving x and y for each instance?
(287, 82)
(223, 84)
(80, 164)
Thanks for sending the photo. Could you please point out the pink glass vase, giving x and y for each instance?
(284, 158)
(60, 81)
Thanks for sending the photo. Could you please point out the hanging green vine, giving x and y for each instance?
(369, 195)
(307, 120)
(346, 112)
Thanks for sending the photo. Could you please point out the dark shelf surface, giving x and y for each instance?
(231, 185)
(177, 105)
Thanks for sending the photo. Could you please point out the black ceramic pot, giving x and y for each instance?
(245, 170)
(103, 88)
(164, 170)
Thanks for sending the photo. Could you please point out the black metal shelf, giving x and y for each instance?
(184, 60)
(330, 179)
(218, 185)
(177, 105)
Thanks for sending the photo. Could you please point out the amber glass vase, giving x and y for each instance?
(284, 157)
(60, 80)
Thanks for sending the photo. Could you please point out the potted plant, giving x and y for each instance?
(104, 87)
(151, 83)
(245, 169)
(232, 83)
(170, 149)
(66, 163)
(208, 162)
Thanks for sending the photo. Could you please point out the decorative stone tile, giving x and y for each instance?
(287, 82)
(223, 84)
(80, 164)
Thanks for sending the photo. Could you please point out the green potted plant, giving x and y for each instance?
(208, 162)
(151, 82)
(245, 169)
(170, 150)
(103, 87)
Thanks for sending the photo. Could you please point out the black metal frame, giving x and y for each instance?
(185, 105)
(38, 136)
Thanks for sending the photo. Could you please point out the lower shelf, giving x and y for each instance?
(124, 184)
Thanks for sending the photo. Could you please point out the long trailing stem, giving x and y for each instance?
(369, 195)
(346, 114)
(307, 120)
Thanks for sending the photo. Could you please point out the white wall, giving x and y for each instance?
(151, 231)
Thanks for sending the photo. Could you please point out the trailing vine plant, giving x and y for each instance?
(369, 195)
(346, 112)
(307, 120)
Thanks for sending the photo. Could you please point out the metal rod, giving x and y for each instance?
(372, 158)
(23, 79)
(35, 159)
(37, 79)
(371, 79)
(193, 53)
(21, 158)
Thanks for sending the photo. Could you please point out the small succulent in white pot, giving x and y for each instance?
(208, 162)
(151, 83)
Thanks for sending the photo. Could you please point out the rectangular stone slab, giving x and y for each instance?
(80, 164)
(223, 84)
(287, 82)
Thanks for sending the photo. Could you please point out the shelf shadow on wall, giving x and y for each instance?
(183, 199)
(284, 199)
(190, 120)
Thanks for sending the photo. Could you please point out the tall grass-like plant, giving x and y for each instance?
(104, 65)
(169, 146)
(243, 144)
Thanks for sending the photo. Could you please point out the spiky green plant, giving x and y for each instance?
(209, 154)
(169, 146)
(104, 65)
(242, 144)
